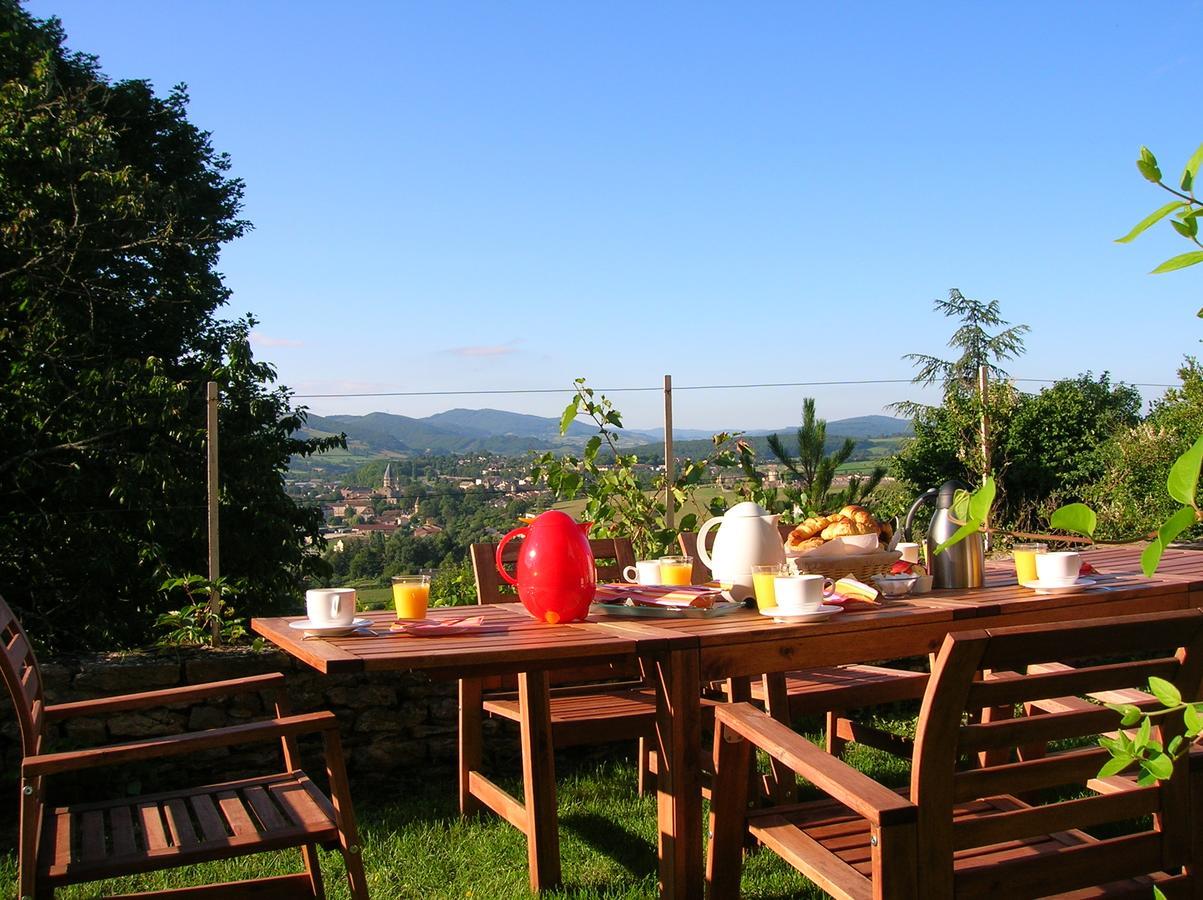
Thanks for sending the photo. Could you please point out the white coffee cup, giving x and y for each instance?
(330, 606)
(801, 593)
(1058, 568)
(645, 571)
(909, 551)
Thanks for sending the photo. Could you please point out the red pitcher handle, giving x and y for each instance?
(501, 568)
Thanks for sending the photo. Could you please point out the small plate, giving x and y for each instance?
(1080, 585)
(329, 630)
(777, 614)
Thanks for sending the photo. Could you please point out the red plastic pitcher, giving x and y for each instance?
(556, 576)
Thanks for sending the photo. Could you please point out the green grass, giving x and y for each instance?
(415, 844)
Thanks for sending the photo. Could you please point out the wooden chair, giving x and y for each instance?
(962, 830)
(580, 713)
(61, 845)
(826, 690)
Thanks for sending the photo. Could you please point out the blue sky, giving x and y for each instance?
(461, 196)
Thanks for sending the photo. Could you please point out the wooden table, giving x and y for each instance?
(678, 654)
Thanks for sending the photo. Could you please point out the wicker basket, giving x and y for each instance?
(860, 566)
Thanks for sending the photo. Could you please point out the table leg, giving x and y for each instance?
(539, 781)
(677, 677)
(470, 716)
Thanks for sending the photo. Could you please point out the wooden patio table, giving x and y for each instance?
(677, 654)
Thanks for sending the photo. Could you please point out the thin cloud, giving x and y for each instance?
(263, 340)
(486, 350)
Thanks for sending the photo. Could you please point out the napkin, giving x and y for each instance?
(431, 628)
(658, 594)
(849, 589)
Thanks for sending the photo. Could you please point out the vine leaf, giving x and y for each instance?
(1075, 517)
(1181, 261)
(1165, 692)
(1150, 220)
(1183, 480)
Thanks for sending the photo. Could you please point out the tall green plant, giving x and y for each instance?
(616, 499)
(813, 470)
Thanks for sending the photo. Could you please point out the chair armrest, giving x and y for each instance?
(864, 796)
(191, 742)
(185, 694)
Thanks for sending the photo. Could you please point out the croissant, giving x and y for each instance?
(809, 528)
(809, 544)
(860, 515)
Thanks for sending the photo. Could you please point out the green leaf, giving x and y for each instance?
(1131, 714)
(1147, 164)
(591, 448)
(960, 505)
(1158, 894)
(1175, 525)
(1075, 517)
(569, 415)
(1192, 213)
(1151, 219)
(1192, 168)
(981, 500)
(1150, 557)
(1166, 694)
(1114, 766)
(1184, 474)
(1183, 229)
(1159, 766)
(1175, 743)
(1193, 721)
(1179, 262)
(1144, 733)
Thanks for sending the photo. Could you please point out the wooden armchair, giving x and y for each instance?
(580, 713)
(967, 831)
(61, 845)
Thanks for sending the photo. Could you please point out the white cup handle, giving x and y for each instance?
(631, 574)
(828, 587)
(338, 599)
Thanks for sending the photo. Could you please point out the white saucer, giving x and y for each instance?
(1073, 587)
(825, 611)
(329, 630)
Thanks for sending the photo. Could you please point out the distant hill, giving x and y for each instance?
(508, 433)
(490, 422)
(855, 427)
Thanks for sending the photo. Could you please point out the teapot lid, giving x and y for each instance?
(948, 492)
(747, 509)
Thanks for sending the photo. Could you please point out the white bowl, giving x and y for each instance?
(895, 585)
(923, 584)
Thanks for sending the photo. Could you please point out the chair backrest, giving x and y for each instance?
(23, 679)
(611, 556)
(978, 670)
(688, 542)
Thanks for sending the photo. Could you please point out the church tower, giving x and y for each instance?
(390, 486)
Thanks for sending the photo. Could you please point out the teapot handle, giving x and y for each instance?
(701, 548)
(497, 558)
(910, 513)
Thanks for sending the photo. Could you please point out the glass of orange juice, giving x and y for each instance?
(411, 596)
(762, 584)
(676, 569)
(1025, 561)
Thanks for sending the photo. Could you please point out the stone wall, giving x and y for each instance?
(388, 720)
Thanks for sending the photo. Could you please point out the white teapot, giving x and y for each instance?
(747, 537)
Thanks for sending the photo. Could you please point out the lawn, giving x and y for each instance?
(415, 844)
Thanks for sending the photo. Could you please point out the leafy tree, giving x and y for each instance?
(114, 209)
(977, 346)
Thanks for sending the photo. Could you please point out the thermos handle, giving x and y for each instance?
(701, 548)
(500, 547)
(910, 513)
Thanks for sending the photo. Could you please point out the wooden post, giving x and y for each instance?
(670, 517)
(214, 548)
(983, 388)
